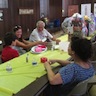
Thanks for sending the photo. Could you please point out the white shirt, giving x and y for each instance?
(39, 36)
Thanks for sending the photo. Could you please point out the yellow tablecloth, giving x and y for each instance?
(25, 73)
(64, 38)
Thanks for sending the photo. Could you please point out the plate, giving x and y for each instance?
(38, 49)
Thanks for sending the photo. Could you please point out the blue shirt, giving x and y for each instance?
(75, 73)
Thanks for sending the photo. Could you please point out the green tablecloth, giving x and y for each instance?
(25, 73)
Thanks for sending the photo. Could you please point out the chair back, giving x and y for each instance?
(80, 89)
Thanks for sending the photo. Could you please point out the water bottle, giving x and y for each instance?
(52, 48)
(34, 62)
(27, 57)
(9, 67)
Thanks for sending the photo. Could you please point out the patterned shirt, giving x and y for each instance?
(72, 73)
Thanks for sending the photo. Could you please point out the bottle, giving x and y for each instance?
(69, 36)
(34, 62)
(9, 67)
(27, 57)
(52, 48)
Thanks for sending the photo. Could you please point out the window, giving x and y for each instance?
(64, 8)
(3, 3)
(44, 8)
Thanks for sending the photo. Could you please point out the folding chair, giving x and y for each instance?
(82, 88)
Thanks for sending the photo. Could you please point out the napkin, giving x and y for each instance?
(64, 46)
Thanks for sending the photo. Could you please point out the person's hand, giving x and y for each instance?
(57, 41)
(46, 65)
(43, 43)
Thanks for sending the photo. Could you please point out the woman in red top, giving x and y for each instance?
(8, 52)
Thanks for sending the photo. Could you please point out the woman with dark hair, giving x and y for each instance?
(22, 43)
(74, 72)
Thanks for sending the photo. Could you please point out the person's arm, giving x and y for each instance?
(26, 42)
(29, 45)
(55, 39)
(61, 62)
(53, 78)
(64, 75)
(52, 37)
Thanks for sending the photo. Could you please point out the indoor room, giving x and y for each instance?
(47, 47)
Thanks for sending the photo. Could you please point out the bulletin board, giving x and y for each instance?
(85, 9)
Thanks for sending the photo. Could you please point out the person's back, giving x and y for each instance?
(76, 73)
(80, 49)
(8, 52)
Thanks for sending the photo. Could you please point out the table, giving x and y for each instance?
(25, 75)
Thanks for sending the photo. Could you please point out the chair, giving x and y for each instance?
(94, 51)
(82, 88)
(92, 90)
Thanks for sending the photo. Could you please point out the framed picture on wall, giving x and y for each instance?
(85, 9)
(95, 9)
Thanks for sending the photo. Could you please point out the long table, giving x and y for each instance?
(25, 76)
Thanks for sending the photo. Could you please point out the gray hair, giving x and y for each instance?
(40, 22)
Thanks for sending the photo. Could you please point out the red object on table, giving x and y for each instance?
(43, 59)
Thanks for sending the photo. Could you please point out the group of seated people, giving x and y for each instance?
(38, 36)
(80, 49)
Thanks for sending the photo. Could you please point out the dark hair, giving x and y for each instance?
(82, 47)
(17, 27)
(9, 37)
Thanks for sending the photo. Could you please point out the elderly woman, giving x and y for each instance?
(21, 43)
(71, 74)
(40, 33)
